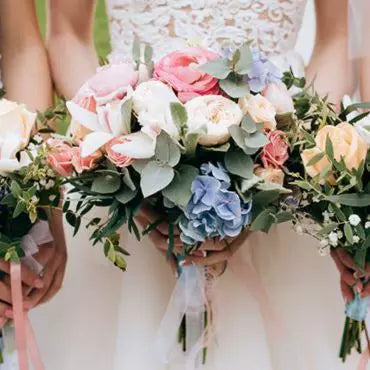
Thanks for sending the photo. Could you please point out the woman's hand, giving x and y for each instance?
(349, 275)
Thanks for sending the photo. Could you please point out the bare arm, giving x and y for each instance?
(24, 64)
(70, 44)
(330, 63)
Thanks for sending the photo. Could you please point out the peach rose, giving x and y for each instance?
(118, 159)
(260, 109)
(347, 144)
(60, 157)
(81, 164)
(180, 70)
(275, 153)
(270, 175)
(278, 95)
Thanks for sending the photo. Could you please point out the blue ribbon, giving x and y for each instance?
(357, 309)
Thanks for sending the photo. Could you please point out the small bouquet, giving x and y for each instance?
(29, 187)
(329, 172)
(199, 136)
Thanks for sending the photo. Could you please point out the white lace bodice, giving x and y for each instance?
(167, 25)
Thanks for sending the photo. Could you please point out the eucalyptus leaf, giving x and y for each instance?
(136, 50)
(239, 136)
(248, 124)
(166, 150)
(155, 177)
(264, 198)
(125, 195)
(245, 60)
(127, 180)
(246, 185)
(106, 184)
(316, 158)
(218, 68)
(238, 163)
(256, 140)
(179, 191)
(139, 164)
(221, 148)
(148, 54)
(235, 88)
(179, 115)
(352, 200)
(263, 221)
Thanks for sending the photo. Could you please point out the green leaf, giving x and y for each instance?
(218, 68)
(352, 200)
(179, 115)
(15, 189)
(106, 184)
(71, 218)
(316, 158)
(360, 254)
(248, 124)
(9, 200)
(221, 148)
(127, 180)
(308, 137)
(235, 88)
(166, 150)
(148, 54)
(179, 191)
(348, 233)
(126, 112)
(239, 136)
(191, 142)
(139, 164)
(77, 226)
(238, 163)
(136, 50)
(264, 198)
(329, 150)
(263, 221)
(155, 177)
(19, 208)
(256, 140)
(125, 195)
(283, 217)
(246, 185)
(245, 61)
(327, 229)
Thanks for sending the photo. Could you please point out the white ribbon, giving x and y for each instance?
(38, 235)
(189, 299)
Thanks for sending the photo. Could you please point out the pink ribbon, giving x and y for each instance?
(24, 336)
(364, 360)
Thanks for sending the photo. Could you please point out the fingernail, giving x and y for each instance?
(38, 283)
(9, 314)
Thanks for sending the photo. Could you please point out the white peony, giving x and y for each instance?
(16, 124)
(214, 113)
(151, 103)
(278, 95)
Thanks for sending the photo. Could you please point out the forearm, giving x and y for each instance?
(24, 64)
(70, 43)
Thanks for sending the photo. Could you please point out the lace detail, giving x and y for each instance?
(167, 25)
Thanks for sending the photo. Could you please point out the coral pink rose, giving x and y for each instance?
(180, 70)
(81, 164)
(60, 157)
(118, 159)
(275, 153)
(110, 83)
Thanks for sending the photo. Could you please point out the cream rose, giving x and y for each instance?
(347, 144)
(216, 114)
(151, 103)
(270, 175)
(260, 109)
(16, 124)
(278, 95)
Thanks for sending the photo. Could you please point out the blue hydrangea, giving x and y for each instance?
(262, 72)
(213, 210)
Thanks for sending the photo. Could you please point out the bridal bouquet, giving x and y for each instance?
(329, 172)
(29, 187)
(199, 136)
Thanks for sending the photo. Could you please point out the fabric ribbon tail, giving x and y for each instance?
(188, 299)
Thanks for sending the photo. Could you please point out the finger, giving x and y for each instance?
(55, 286)
(25, 288)
(29, 277)
(347, 291)
(365, 291)
(210, 259)
(172, 262)
(346, 258)
(5, 293)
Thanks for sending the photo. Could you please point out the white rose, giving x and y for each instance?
(260, 109)
(16, 124)
(214, 113)
(151, 103)
(278, 95)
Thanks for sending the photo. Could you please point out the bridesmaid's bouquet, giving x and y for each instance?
(329, 172)
(29, 188)
(199, 136)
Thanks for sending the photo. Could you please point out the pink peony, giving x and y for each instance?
(81, 164)
(180, 70)
(60, 157)
(275, 153)
(110, 83)
(118, 159)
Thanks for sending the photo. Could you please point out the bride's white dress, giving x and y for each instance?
(107, 320)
